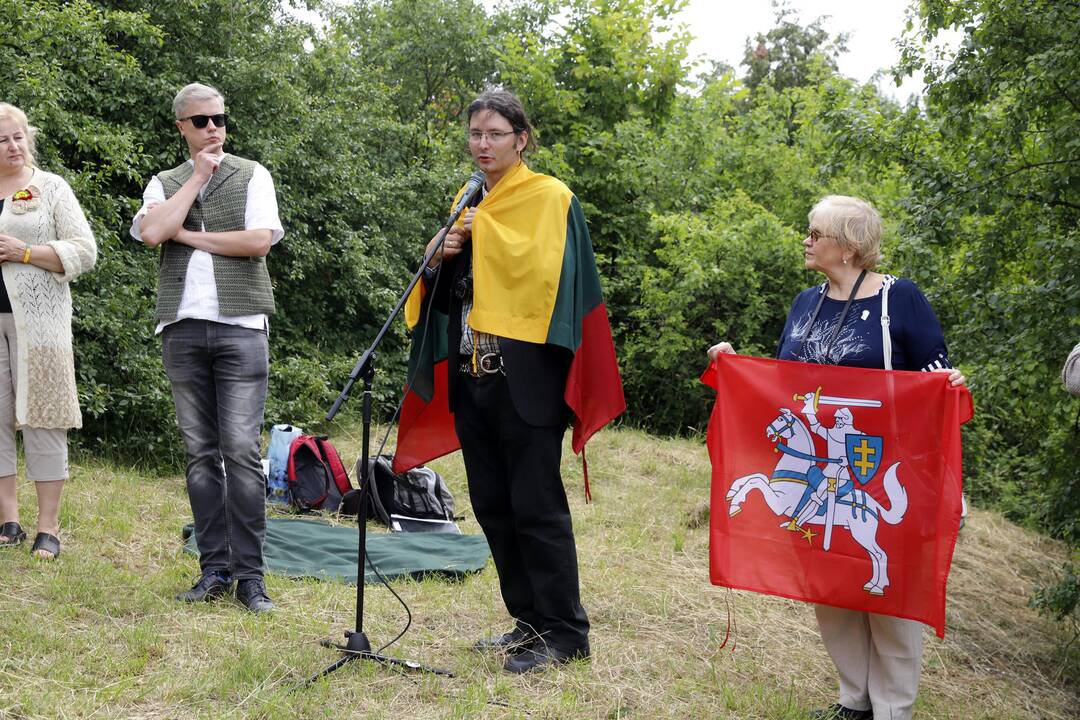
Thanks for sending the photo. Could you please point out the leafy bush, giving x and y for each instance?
(695, 190)
(1061, 601)
(726, 274)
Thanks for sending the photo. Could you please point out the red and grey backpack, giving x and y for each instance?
(316, 476)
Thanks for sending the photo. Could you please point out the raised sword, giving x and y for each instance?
(820, 399)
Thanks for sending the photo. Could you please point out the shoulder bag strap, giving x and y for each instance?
(886, 334)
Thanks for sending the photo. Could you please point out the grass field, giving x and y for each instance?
(98, 634)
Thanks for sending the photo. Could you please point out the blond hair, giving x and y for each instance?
(17, 116)
(195, 92)
(854, 223)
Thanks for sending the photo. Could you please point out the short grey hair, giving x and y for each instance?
(195, 92)
(854, 223)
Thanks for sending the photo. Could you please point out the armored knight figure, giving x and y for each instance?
(836, 482)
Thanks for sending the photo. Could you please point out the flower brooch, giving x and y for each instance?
(25, 200)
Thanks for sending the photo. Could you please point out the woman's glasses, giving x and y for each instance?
(475, 136)
(220, 120)
(816, 235)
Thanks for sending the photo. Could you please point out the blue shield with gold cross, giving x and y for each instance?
(864, 455)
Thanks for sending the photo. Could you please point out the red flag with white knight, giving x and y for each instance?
(835, 485)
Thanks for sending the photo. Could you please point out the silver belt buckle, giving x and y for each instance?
(489, 364)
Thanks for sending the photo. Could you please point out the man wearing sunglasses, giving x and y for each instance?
(215, 219)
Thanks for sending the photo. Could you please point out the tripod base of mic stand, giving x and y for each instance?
(358, 647)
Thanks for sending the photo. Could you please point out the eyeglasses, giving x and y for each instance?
(476, 136)
(816, 235)
(220, 120)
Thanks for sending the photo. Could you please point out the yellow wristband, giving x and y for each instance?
(26, 255)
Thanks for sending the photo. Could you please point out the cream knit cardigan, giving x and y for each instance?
(46, 396)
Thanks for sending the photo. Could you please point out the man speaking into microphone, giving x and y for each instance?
(528, 348)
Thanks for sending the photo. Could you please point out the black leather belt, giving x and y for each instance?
(488, 364)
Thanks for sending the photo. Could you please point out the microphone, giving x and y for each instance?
(472, 187)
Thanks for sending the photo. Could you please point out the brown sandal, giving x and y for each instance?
(48, 543)
(14, 533)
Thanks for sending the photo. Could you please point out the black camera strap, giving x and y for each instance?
(840, 322)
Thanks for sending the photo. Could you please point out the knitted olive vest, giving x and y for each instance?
(243, 284)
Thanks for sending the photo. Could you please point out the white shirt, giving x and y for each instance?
(200, 299)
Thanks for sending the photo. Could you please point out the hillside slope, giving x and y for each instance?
(97, 633)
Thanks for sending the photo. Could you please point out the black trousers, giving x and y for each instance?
(519, 501)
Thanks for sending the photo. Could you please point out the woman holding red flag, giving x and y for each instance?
(862, 318)
(528, 347)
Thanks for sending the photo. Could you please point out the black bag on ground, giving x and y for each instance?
(419, 493)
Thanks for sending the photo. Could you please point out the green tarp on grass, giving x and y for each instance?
(310, 548)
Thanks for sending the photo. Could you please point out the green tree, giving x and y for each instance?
(996, 203)
(727, 272)
(1008, 109)
(600, 89)
(791, 55)
(684, 180)
(435, 53)
(73, 68)
(358, 189)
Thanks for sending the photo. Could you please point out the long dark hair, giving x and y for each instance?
(508, 105)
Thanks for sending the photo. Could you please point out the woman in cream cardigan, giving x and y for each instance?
(45, 242)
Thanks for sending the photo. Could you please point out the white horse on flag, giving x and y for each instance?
(796, 470)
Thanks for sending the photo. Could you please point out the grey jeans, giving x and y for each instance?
(218, 374)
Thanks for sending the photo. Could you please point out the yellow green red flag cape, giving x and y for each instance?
(534, 280)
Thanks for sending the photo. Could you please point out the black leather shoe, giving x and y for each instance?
(839, 712)
(211, 586)
(542, 656)
(14, 533)
(516, 639)
(252, 593)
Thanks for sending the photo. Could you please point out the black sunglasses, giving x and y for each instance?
(220, 120)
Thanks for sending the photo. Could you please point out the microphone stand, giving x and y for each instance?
(357, 645)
